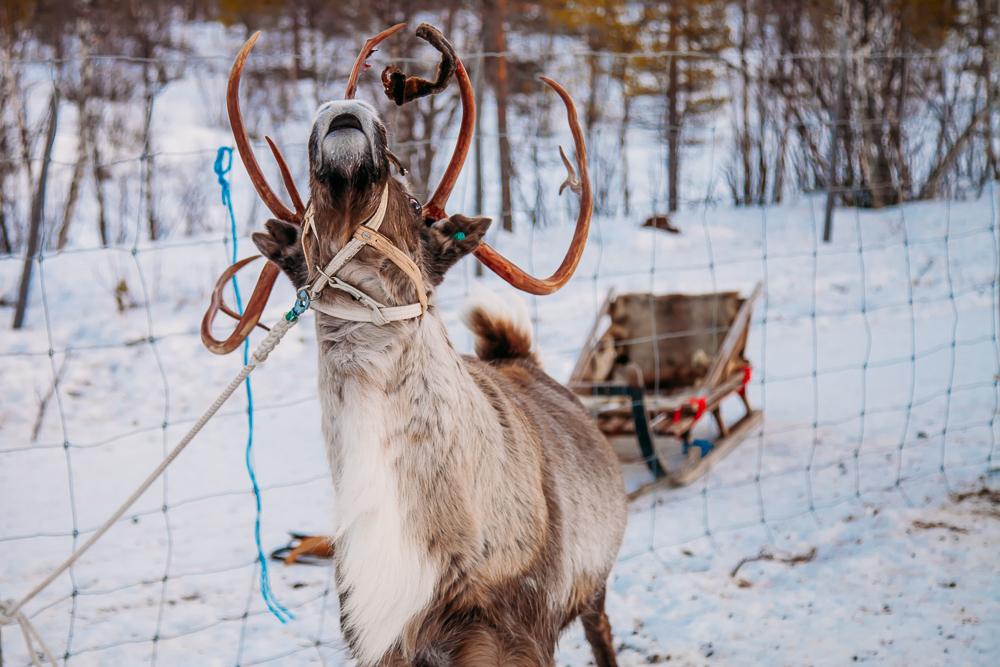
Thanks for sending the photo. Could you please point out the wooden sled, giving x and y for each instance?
(653, 366)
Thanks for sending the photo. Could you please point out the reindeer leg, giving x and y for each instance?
(597, 628)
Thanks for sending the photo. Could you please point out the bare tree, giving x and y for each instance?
(495, 16)
(37, 212)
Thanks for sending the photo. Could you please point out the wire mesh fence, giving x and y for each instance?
(876, 364)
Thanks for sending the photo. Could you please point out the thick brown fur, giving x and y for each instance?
(497, 337)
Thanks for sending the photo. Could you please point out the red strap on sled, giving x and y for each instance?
(700, 405)
(747, 374)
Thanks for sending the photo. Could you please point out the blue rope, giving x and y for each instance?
(223, 164)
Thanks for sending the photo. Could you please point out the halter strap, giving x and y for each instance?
(383, 245)
(366, 309)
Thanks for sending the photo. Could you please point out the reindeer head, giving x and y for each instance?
(348, 154)
(350, 181)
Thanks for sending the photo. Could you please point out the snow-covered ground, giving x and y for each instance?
(876, 366)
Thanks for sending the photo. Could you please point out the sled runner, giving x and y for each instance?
(654, 365)
(306, 549)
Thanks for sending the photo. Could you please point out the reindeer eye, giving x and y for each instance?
(415, 205)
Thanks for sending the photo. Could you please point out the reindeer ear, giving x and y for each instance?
(279, 237)
(280, 244)
(449, 240)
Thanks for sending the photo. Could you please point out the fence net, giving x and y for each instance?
(875, 363)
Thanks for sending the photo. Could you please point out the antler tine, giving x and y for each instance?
(403, 89)
(571, 182)
(509, 271)
(252, 313)
(243, 141)
(286, 177)
(361, 62)
(226, 310)
(434, 208)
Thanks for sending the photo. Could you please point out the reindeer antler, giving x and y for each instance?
(265, 283)
(403, 89)
(434, 209)
(512, 273)
(361, 62)
(246, 151)
(251, 316)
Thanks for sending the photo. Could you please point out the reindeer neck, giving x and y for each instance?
(340, 211)
(389, 396)
(376, 355)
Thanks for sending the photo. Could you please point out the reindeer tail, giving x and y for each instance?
(501, 327)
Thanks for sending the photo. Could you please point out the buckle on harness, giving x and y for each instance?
(378, 318)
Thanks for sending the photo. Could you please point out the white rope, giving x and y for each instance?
(30, 633)
(11, 613)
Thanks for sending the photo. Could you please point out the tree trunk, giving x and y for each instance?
(744, 132)
(673, 126)
(24, 131)
(778, 188)
(837, 131)
(873, 160)
(147, 154)
(501, 86)
(844, 115)
(623, 151)
(78, 168)
(6, 245)
(100, 175)
(425, 146)
(885, 189)
(37, 213)
(990, 54)
(478, 141)
(760, 196)
(591, 113)
(895, 136)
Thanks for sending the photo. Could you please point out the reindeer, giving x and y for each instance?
(478, 508)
